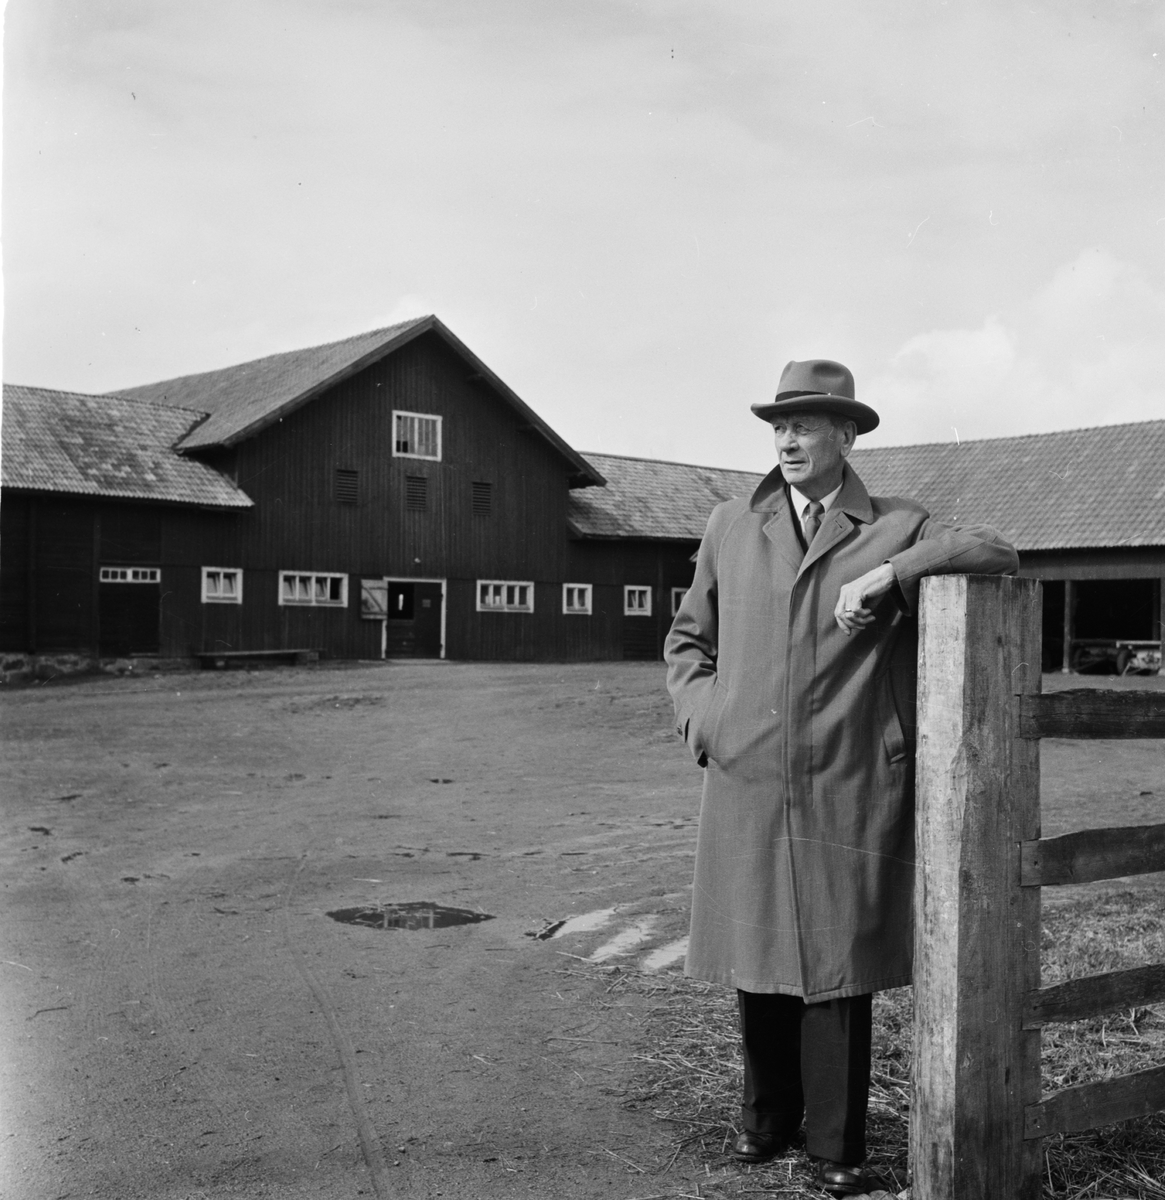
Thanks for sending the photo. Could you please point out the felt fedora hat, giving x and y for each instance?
(818, 385)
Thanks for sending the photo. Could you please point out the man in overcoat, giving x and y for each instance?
(792, 664)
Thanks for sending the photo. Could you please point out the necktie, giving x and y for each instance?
(813, 511)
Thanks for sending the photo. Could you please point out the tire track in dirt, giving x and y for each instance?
(369, 1142)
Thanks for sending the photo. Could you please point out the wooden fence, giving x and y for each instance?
(979, 1114)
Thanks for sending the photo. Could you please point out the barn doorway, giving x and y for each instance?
(1098, 617)
(129, 611)
(415, 618)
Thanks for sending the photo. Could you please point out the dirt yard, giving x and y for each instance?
(182, 1019)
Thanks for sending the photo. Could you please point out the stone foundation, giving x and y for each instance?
(40, 668)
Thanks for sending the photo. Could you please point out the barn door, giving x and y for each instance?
(129, 610)
(414, 619)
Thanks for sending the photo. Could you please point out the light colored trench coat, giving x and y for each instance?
(805, 854)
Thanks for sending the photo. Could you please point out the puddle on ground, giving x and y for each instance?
(422, 914)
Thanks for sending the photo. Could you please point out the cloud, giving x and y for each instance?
(1085, 349)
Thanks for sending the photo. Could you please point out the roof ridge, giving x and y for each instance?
(105, 397)
(1019, 437)
(249, 362)
(668, 462)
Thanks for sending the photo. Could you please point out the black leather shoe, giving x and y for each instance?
(759, 1147)
(840, 1180)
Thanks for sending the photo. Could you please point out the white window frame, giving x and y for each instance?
(502, 595)
(582, 609)
(215, 595)
(634, 610)
(313, 599)
(401, 412)
(130, 575)
(677, 597)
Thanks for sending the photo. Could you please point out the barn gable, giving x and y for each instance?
(244, 399)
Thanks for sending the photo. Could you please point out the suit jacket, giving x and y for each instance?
(805, 853)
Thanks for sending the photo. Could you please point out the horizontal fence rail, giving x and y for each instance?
(1092, 854)
(1095, 995)
(1090, 713)
(1091, 1104)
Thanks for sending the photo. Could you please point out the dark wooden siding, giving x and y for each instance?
(610, 566)
(16, 534)
(65, 574)
(299, 524)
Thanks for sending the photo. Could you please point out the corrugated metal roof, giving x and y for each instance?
(105, 446)
(1079, 489)
(646, 498)
(246, 398)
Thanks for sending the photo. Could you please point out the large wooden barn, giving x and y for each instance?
(388, 495)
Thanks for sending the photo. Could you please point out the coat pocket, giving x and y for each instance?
(893, 739)
(702, 725)
(711, 719)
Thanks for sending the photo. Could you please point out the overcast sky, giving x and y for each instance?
(634, 212)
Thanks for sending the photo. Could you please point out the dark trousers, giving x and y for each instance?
(810, 1060)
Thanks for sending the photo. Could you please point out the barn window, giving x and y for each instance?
(416, 435)
(503, 595)
(347, 486)
(416, 492)
(222, 585)
(677, 597)
(482, 498)
(130, 575)
(315, 588)
(576, 598)
(636, 601)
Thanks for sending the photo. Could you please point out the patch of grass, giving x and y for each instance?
(688, 1070)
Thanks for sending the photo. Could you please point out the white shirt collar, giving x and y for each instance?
(801, 501)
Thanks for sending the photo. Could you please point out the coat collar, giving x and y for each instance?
(852, 504)
(771, 496)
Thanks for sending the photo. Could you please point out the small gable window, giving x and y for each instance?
(416, 435)
(677, 598)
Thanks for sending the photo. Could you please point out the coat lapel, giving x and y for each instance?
(850, 507)
(770, 497)
(835, 527)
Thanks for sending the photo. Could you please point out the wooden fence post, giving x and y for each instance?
(977, 932)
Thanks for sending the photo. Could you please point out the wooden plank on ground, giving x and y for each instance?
(1092, 713)
(1095, 995)
(1092, 854)
(1093, 1104)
